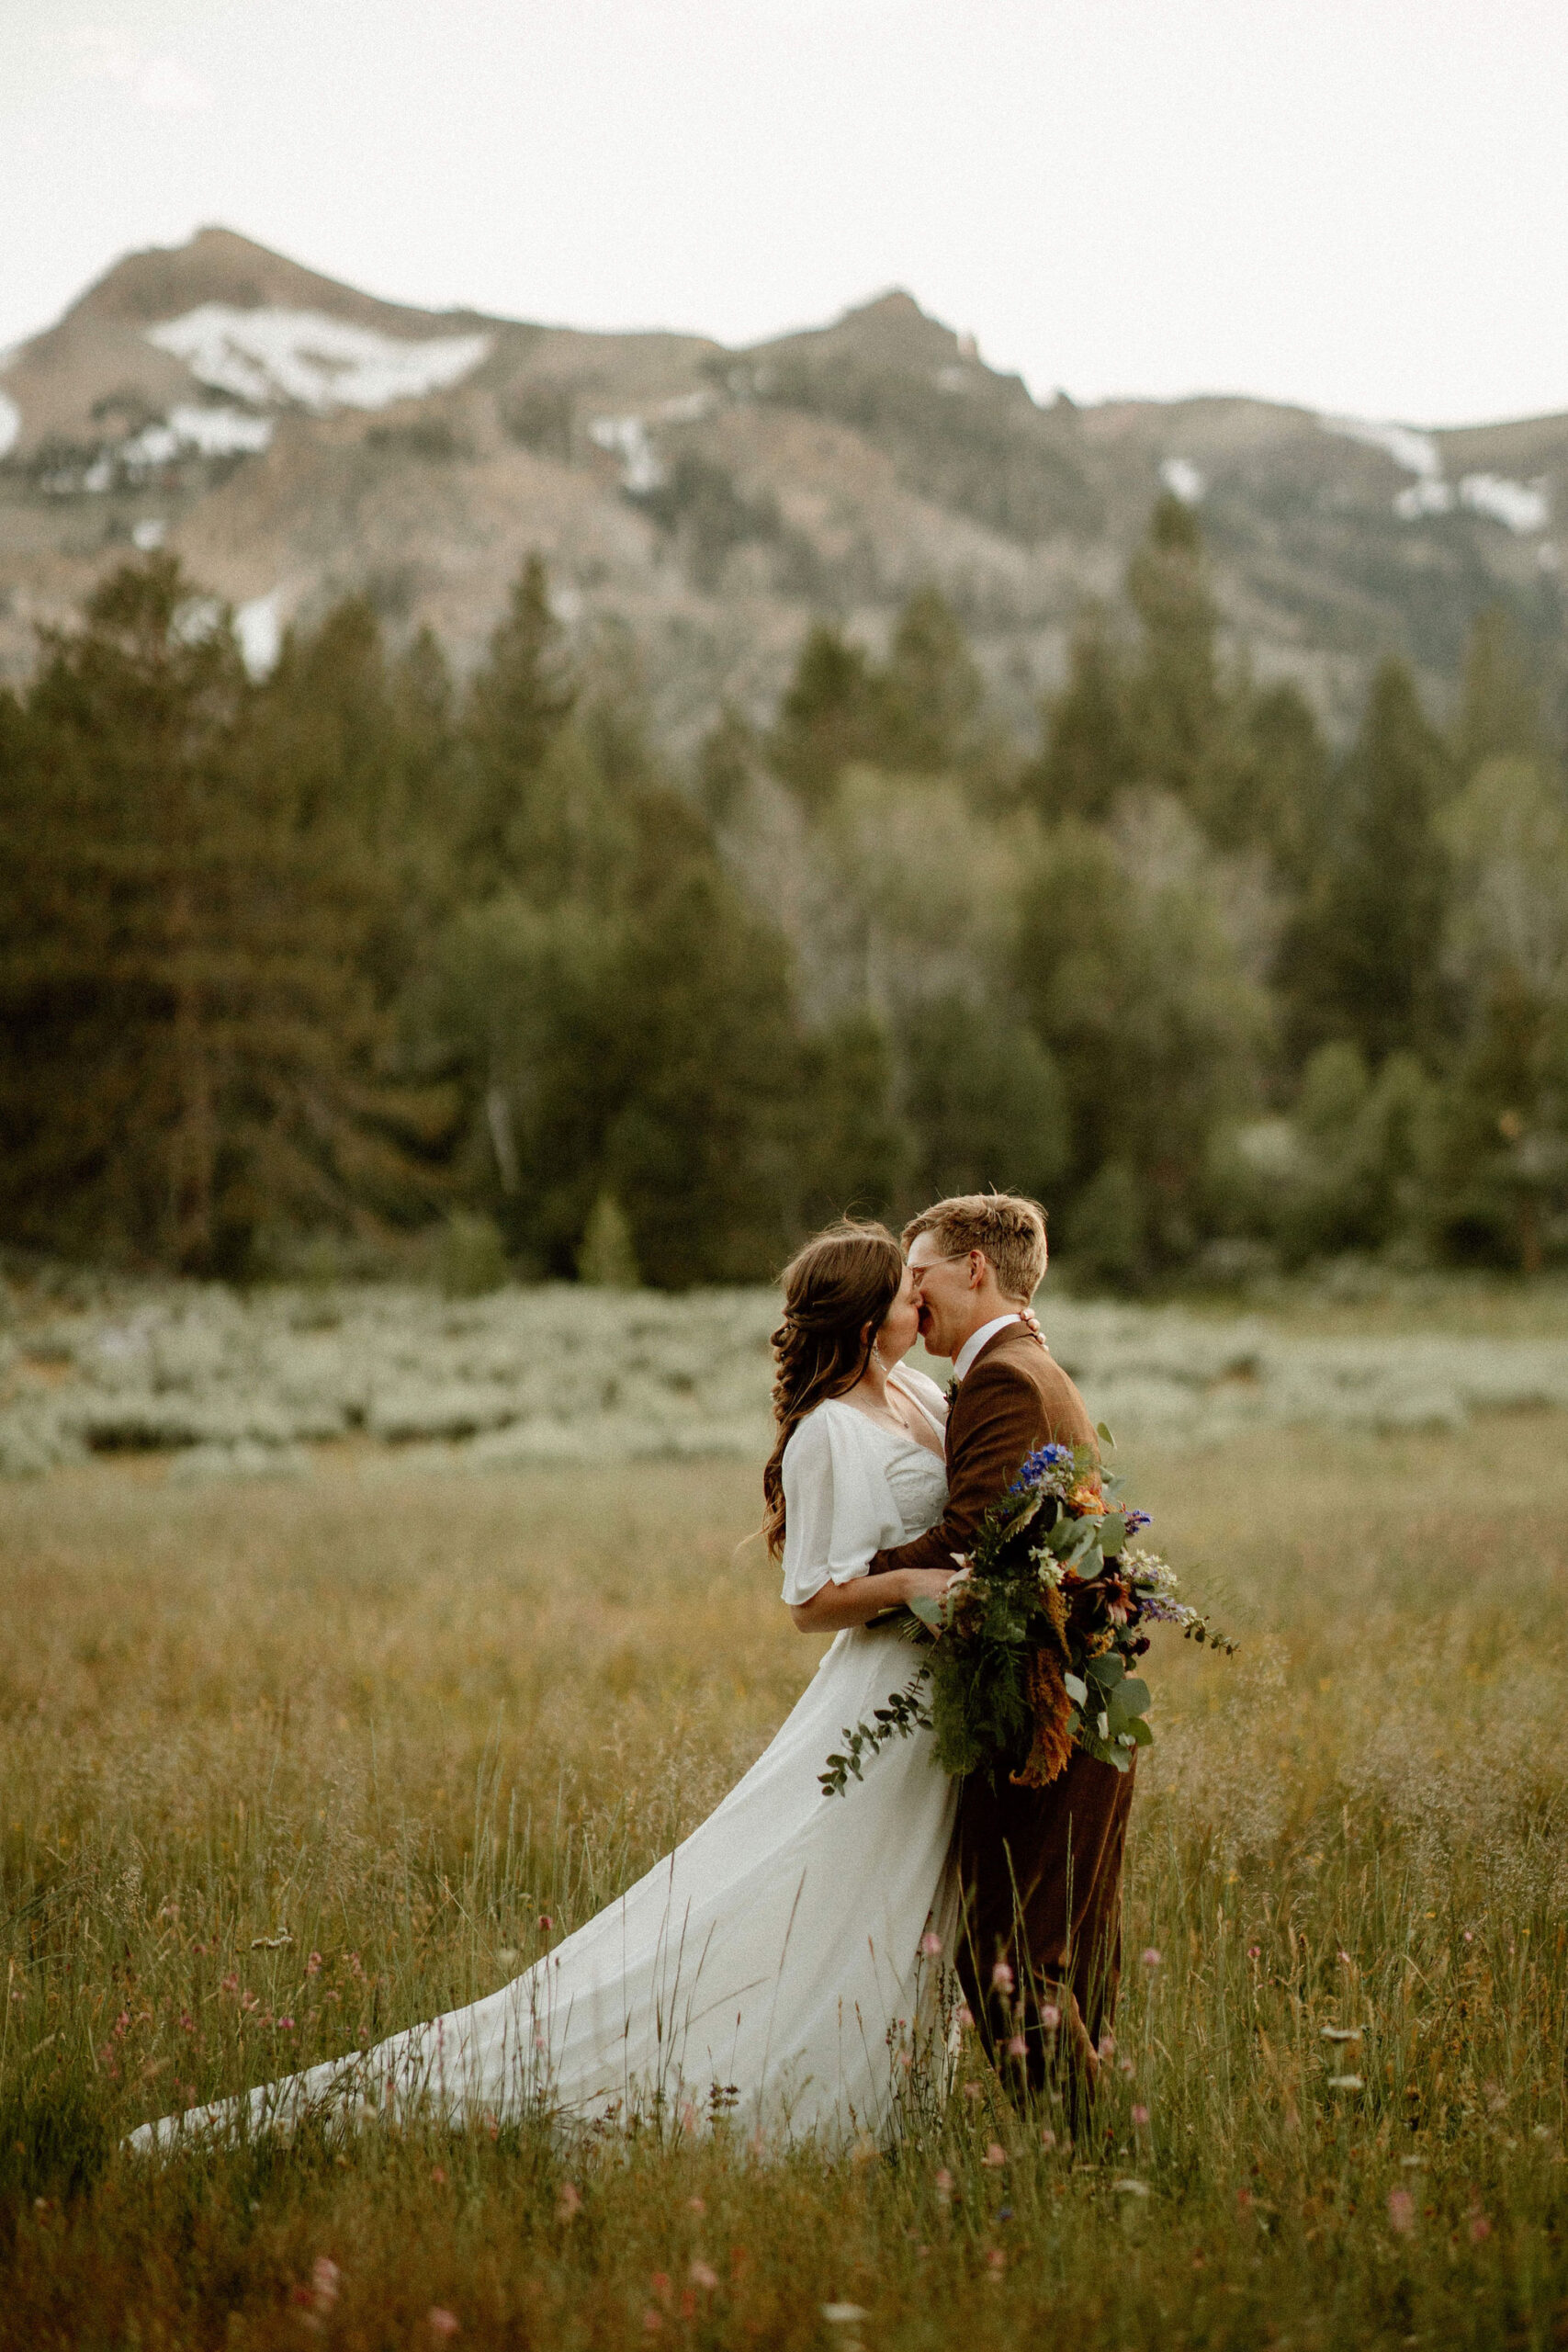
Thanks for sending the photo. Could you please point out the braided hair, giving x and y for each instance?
(843, 1281)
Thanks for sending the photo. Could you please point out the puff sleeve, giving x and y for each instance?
(838, 1507)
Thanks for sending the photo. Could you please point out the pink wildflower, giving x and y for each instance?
(1002, 1977)
(1401, 2212)
(1050, 2016)
(1151, 1958)
(441, 2322)
(569, 2204)
(995, 2157)
(1018, 2047)
(1140, 2116)
(930, 1945)
(702, 2276)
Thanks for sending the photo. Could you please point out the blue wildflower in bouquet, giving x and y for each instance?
(1027, 1655)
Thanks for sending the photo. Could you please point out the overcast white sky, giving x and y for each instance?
(1357, 204)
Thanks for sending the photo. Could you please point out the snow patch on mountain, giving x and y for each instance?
(1416, 452)
(1183, 480)
(213, 431)
(1432, 495)
(626, 437)
(1522, 505)
(259, 629)
(220, 432)
(317, 362)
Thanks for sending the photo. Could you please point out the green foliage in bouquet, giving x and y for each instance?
(1027, 1655)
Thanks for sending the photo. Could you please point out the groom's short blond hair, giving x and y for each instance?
(1008, 1230)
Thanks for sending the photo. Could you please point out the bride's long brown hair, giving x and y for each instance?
(841, 1280)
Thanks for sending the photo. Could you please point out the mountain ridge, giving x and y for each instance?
(295, 439)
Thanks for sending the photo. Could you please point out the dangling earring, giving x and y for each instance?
(876, 1351)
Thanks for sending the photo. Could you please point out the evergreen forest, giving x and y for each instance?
(360, 957)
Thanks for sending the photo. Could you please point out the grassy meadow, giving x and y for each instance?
(286, 1765)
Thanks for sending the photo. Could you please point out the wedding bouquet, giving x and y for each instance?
(1027, 1655)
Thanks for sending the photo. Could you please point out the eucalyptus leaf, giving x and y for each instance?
(928, 1610)
(1107, 1670)
(1077, 1687)
(1103, 1434)
(1134, 1695)
(1113, 1534)
(1140, 1732)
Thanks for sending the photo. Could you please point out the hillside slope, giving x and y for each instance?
(294, 438)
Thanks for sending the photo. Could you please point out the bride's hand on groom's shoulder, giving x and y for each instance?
(1030, 1324)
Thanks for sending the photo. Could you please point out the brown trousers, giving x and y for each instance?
(1041, 1872)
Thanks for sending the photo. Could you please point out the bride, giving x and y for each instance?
(777, 1966)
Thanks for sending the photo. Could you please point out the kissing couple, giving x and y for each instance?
(789, 1964)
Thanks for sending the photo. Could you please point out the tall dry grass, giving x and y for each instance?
(405, 1722)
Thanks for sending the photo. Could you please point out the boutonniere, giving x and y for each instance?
(953, 1387)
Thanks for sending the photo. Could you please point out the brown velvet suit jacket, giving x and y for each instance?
(1013, 1398)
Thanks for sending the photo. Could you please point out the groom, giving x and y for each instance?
(1040, 1869)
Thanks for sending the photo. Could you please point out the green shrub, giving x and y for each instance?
(472, 1257)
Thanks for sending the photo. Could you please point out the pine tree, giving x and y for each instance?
(1500, 715)
(1186, 724)
(1155, 1031)
(1363, 960)
(1178, 714)
(191, 1041)
(852, 1149)
(1088, 754)
(518, 704)
(699, 1148)
(1288, 769)
(985, 1100)
(827, 719)
(929, 693)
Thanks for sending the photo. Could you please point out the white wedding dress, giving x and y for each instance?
(770, 1968)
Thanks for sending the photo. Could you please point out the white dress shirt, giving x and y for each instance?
(977, 1340)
